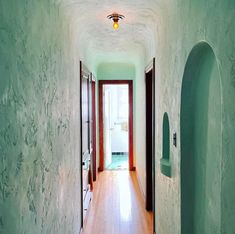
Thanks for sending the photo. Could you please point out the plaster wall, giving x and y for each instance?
(39, 120)
(39, 99)
(140, 126)
(185, 24)
(201, 143)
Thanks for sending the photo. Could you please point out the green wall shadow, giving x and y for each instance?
(165, 164)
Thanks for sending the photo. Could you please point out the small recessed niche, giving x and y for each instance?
(165, 164)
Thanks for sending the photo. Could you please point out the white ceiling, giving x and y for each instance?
(99, 42)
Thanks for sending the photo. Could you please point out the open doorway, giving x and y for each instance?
(116, 125)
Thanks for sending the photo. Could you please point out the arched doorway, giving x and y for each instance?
(201, 149)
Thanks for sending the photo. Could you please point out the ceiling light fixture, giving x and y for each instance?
(115, 17)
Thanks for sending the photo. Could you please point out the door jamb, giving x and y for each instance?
(149, 67)
(93, 91)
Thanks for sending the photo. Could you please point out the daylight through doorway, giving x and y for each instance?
(116, 127)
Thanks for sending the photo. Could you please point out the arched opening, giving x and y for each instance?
(166, 137)
(165, 160)
(201, 143)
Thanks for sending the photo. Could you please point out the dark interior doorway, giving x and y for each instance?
(150, 135)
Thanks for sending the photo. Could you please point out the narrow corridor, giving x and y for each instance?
(118, 206)
(177, 58)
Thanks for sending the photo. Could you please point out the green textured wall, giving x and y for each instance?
(184, 25)
(39, 115)
(116, 71)
(39, 120)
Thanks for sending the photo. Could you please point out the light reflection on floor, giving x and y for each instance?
(125, 198)
(117, 205)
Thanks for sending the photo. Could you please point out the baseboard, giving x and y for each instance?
(139, 183)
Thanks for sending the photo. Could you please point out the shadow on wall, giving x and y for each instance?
(201, 148)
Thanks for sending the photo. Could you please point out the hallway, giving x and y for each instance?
(117, 206)
(178, 59)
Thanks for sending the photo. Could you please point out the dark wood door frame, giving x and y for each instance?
(93, 90)
(150, 138)
(101, 120)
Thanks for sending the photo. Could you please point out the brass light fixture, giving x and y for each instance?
(115, 17)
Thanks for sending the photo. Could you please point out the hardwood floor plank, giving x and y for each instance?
(117, 206)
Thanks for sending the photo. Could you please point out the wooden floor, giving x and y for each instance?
(117, 206)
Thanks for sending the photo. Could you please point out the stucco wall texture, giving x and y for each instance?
(39, 120)
(39, 101)
(186, 24)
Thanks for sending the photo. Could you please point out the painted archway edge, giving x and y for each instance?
(196, 132)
